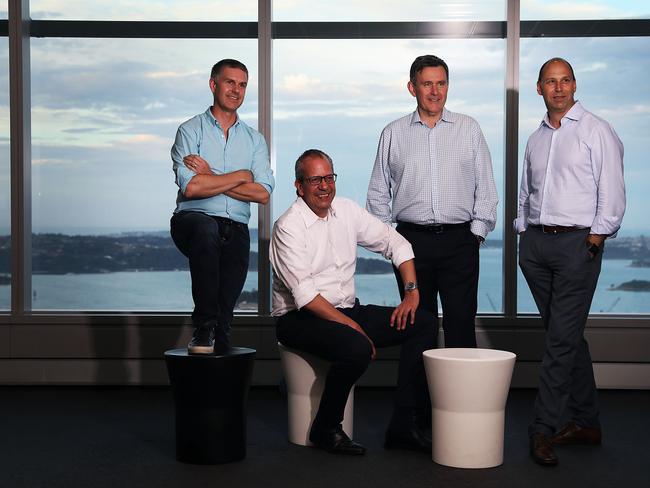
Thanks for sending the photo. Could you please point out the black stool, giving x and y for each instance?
(210, 396)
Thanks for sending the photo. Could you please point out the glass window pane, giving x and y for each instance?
(5, 179)
(175, 10)
(341, 102)
(611, 79)
(105, 114)
(598, 9)
(406, 10)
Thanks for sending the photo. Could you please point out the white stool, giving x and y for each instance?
(468, 389)
(305, 377)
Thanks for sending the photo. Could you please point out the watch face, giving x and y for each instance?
(410, 286)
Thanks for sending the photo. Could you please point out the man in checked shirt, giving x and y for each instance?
(433, 176)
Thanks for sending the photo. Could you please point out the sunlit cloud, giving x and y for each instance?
(299, 83)
(594, 67)
(155, 105)
(147, 139)
(156, 75)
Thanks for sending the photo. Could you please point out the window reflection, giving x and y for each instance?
(594, 9)
(104, 117)
(151, 10)
(406, 10)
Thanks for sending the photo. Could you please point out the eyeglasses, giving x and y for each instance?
(317, 180)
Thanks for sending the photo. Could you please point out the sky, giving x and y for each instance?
(105, 111)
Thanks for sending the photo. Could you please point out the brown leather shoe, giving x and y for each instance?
(541, 450)
(572, 433)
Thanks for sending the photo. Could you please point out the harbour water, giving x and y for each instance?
(170, 290)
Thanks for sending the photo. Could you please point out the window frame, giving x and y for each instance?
(20, 28)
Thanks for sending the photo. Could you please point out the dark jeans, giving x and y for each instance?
(562, 277)
(447, 263)
(218, 250)
(349, 353)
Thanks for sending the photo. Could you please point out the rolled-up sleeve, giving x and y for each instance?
(261, 166)
(377, 236)
(184, 144)
(291, 262)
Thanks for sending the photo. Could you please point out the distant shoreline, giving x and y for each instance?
(58, 254)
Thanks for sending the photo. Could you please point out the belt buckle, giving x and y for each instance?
(551, 230)
(437, 228)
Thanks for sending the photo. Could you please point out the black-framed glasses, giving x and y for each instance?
(317, 180)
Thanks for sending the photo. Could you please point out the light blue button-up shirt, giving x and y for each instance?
(573, 175)
(439, 175)
(245, 148)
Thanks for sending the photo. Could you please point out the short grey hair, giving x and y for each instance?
(310, 153)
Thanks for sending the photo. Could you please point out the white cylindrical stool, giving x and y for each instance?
(305, 377)
(468, 389)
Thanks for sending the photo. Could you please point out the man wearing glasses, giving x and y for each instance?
(221, 165)
(313, 254)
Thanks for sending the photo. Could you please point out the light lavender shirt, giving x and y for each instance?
(312, 255)
(573, 175)
(439, 175)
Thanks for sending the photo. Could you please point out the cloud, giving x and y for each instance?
(594, 67)
(146, 139)
(298, 83)
(157, 75)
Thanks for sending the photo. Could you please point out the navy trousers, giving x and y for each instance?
(562, 277)
(447, 263)
(218, 250)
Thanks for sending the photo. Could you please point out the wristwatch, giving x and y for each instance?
(410, 286)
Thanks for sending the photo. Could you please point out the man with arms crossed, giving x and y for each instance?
(221, 165)
(572, 198)
(434, 167)
(313, 253)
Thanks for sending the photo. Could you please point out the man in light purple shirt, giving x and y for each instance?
(572, 198)
(313, 254)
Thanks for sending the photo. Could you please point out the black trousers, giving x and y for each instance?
(218, 251)
(349, 353)
(562, 277)
(447, 263)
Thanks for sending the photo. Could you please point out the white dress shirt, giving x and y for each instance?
(312, 255)
(438, 175)
(573, 175)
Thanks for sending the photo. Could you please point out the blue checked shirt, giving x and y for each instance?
(439, 175)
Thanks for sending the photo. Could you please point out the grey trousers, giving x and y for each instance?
(562, 277)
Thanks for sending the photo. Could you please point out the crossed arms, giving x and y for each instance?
(238, 184)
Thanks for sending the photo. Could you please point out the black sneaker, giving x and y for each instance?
(202, 342)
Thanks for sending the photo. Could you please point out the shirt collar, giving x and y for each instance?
(308, 216)
(446, 116)
(208, 114)
(575, 113)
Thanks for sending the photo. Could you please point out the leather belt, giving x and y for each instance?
(555, 229)
(435, 228)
